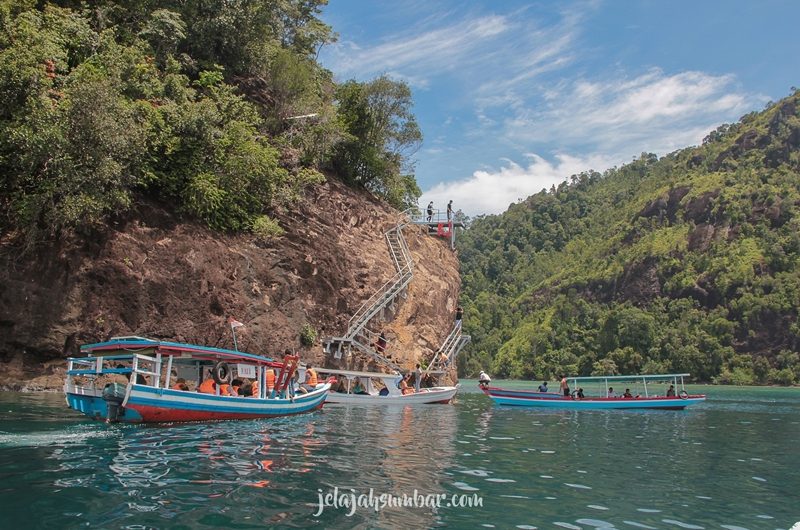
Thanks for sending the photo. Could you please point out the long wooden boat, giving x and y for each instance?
(648, 399)
(130, 379)
(391, 393)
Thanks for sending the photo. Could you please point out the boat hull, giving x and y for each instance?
(429, 396)
(145, 404)
(549, 400)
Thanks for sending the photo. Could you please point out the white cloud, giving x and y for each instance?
(414, 56)
(654, 112)
(492, 191)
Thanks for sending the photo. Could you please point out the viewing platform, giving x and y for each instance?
(438, 224)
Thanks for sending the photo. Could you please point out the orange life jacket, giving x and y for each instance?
(311, 377)
(208, 386)
(270, 379)
(179, 386)
(224, 390)
(255, 389)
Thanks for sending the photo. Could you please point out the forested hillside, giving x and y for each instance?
(218, 109)
(690, 262)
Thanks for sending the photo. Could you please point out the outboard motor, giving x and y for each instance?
(114, 395)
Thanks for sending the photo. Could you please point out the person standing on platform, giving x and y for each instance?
(459, 315)
(450, 210)
(430, 211)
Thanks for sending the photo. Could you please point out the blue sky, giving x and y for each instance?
(515, 96)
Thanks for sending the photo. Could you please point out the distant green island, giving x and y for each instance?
(685, 263)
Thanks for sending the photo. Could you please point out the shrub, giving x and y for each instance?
(782, 377)
(308, 335)
(266, 228)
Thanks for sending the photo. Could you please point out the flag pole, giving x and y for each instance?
(235, 345)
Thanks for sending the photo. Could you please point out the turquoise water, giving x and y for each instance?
(730, 463)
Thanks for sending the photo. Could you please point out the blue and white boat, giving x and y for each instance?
(649, 398)
(134, 379)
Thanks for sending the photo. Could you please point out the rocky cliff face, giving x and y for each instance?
(155, 275)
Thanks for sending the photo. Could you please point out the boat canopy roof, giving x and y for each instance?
(133, 344)
(351, 373)
(649, 377)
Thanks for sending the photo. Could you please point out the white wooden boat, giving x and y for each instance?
(381, 389)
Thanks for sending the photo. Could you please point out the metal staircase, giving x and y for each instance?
(446, 355)
(358, 335)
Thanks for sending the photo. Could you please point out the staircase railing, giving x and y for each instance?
(358, 334)
(449, 350)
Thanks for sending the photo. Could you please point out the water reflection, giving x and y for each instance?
(600, 469)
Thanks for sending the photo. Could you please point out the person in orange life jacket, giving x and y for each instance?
(180, 384)
(311, 378)
(208, 386)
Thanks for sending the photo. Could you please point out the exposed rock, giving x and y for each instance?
(156, 276)
(700, 238)
(701, 209)
(640, 282)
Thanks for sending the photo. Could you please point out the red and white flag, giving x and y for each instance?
(234, 323)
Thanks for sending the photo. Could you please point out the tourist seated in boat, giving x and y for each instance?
(246, 388)
(270, 375)
(579, 394)
(543, 387)
(671, 391)
(208, 386)
(384, 391)
(298, 388)
(180, 384)
(236, 384)
(404, 388)
(611, 392)
(627, 394)
(358, 388)
(311, 381)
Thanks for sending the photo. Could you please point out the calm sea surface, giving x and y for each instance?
(732, 463)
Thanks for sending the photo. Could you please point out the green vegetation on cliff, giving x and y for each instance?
(689, 263)
(195, 103)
